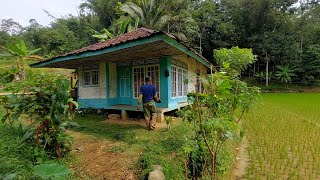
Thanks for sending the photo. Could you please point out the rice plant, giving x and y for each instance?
(284, 135)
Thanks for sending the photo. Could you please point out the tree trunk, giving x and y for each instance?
(267, 70)
(267, 73)
(301, 43)
(213, 170)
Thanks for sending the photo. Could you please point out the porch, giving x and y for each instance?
(110, 73)
(124, 108)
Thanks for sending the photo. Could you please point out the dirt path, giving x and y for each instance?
(242, 163)
(100, 159)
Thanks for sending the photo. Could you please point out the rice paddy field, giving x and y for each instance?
(283, 133)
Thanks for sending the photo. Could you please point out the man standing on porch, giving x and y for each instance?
(148, 95)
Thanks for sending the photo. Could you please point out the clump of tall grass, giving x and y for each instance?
(16, 156)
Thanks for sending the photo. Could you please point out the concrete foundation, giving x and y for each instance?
(124, 115)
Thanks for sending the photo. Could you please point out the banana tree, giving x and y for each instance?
(20, 53)
(285, 73)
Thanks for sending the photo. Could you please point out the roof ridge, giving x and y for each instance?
(148, 30)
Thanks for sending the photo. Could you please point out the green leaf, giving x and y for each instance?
(33, 51)
(73, 102)
(51, 171)
(23, 47)
(226, 65)
(10, 176)
(102, 37)
(4, 118)
(27, 135)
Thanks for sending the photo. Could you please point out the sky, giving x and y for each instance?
(23, 10)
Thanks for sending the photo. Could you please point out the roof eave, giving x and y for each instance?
(156, 37)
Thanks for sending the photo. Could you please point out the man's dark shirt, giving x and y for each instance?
(148, 91)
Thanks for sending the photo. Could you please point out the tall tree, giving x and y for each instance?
(150, 12)
(104, 9)
(10, 26)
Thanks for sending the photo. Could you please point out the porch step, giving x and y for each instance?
(134, 108)
(125, 108)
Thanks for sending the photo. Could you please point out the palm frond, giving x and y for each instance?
(7, 53)
(101, 37)
(35, 58)
(163, 20)
(152, 5)
(123, 26)
(133, 10)
(32, 52)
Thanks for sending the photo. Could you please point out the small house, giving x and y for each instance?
(110, 73)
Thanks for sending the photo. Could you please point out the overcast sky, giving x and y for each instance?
(24, 10)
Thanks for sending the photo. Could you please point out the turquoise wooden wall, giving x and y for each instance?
(165, 91)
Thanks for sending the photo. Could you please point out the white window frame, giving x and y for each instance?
(145, 67)
(146, 73)
(141, 82)
(184, 88)
(91, 73)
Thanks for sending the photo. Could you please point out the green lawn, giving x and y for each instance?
(284, 135)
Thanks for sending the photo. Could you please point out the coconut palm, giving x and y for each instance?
(122, 25)
(150, 12)
(20, 53)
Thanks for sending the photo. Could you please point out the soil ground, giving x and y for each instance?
(98, 158)
(313, 89)
(242, 162)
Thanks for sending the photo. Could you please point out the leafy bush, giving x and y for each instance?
(213, 114)
(234, 60)
(7, 74)
(44, 104)
(311, 66)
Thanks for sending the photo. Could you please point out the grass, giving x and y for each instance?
(162, 146)
(14, 154)
(156, 147)
(283, 135)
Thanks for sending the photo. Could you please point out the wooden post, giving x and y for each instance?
(124, 115)
(160, 116)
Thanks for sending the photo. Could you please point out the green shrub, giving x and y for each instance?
(45, 104)
(7, 74)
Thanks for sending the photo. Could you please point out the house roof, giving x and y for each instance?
(149, 40)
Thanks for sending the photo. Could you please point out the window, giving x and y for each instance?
(86, 78)
(139, 74)
(95, 77)
(179, 86)
(153, 72)
(138, 80)
(91, 77)
(173, 81)
(185, 82)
